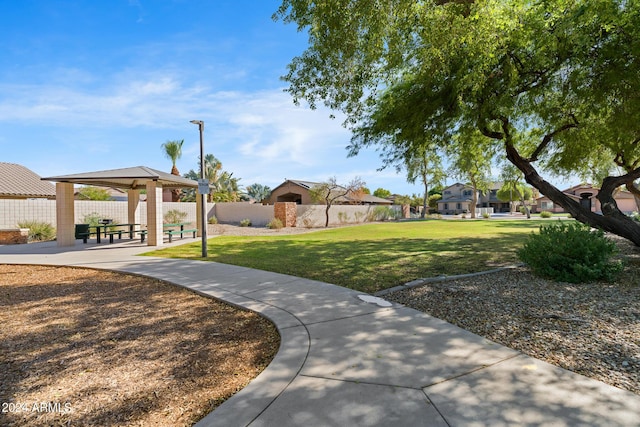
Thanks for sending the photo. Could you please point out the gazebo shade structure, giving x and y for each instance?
(132, 179)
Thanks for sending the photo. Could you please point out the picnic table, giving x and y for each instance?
(169, 230)
(108, 229)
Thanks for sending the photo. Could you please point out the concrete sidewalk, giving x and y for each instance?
(347, 359)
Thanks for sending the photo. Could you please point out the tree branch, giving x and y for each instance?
(549, 137)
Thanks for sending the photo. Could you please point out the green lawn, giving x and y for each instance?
(376, 256)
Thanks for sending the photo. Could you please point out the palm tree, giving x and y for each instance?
(173, 151)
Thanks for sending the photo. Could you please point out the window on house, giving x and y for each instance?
(466, 193)
(546, 205)
(458, 206)
(446, 206)
(447, 193)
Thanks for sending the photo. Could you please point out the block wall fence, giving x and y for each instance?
(13, 212)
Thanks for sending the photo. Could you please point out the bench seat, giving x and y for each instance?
(112, 233)
(172, 233)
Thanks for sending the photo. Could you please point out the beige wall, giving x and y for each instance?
(233, 213)
(14, 211)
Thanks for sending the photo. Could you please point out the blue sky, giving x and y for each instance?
(91, 85)
(94, 85)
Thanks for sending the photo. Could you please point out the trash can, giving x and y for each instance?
(81, 230)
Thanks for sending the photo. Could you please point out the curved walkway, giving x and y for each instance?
(352, 360)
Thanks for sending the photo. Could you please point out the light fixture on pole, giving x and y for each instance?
(203, 194)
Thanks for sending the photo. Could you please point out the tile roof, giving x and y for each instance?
(133, 177)
(365, 198)
(16, 181)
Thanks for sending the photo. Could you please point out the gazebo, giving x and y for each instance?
(133, 180)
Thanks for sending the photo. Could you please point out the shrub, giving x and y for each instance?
(275, 224)
(382, 213)
(174, 216)
(343, 217)
(570, 252)
(307, 222)
(93, 219)
(545, 214)
(245, 223)
(635, 216)
(213, 220)
(39, 231)
(486, 215)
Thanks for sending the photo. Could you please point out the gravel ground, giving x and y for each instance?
(592, 329)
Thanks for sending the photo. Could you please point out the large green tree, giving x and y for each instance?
(425, 166)
(471, 156)
(554, 84)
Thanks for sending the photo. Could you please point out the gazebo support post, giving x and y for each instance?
(65, 222)
(154, 213)
(133, 206)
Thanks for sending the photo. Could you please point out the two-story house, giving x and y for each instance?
(458, 198)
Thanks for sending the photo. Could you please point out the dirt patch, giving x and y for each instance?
(87, 347)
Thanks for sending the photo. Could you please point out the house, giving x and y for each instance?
(458, 198)
(18, 182)
(298, 191)
(586, 194)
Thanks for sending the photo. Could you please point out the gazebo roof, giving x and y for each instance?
(134, 178)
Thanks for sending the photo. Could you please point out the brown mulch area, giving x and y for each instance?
(591, 328)
(88, 347)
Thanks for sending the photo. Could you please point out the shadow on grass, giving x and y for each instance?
(364, 265)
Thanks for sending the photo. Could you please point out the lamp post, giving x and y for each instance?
(203, 195)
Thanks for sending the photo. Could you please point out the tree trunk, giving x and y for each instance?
(326, 213)
(175, 193)
(425, 200)
(474, 200)
(524, 205)
(611, 220)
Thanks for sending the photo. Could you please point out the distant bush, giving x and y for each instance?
(213, 220)
(382, 213)
(635, 216)
(570, 252)
(39, 231)
(343, 217)
(545, 214)
(486, 215)
(245, 223)
(275, 224)
(92, 219)
(174, 216)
